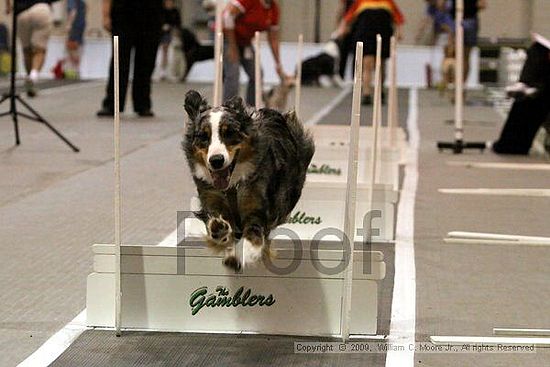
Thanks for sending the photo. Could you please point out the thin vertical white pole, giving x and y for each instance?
(351, 192)
(257, 71)
(298, 82)
(393, 99)
(117, 201)
(218, 52)
(218, 64)
(459, 72)
(376, 117)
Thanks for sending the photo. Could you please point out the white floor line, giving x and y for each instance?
(502, 165)
(469, 241)
(57, 344)
(403, 313)
(495, 236)
(499, 192)
(329, 107)
(540, 342)
(60, 341)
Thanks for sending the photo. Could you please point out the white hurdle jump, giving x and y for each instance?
(378, 174)
(309, 289)
(329, 162)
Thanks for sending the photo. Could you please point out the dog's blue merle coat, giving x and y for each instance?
(277, 150)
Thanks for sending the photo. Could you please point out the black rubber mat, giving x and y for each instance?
(103, 348)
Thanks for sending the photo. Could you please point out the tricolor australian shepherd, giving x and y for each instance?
(249, 168)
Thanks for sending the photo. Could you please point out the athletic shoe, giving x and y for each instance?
(520, 90)
(30, 89)
(105, 112)
(145, 113)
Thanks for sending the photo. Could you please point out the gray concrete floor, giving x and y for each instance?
(54, 204)
(469, 289)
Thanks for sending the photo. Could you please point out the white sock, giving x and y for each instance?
(33, 76)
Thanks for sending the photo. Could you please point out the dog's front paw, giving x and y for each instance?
(219, 232)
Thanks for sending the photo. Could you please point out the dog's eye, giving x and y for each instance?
(202, 136)
(231, 134)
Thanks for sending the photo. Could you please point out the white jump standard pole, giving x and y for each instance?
(351, 192)
(117, 201)
(257, 72)
(376, 121)
(218, 55)
(393, 108)
(298, 81)
(458, 146)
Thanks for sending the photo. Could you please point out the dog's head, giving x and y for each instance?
(333, 49)
(218, 141)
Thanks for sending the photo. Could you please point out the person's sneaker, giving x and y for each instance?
(366, 100)
(163, 75)
(520, 90)
(30, 89)
(105, 112)
(145, 113)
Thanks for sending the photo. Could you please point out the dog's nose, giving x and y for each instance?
(216, 161)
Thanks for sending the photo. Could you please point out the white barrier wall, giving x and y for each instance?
(411, 63)
(189, 290)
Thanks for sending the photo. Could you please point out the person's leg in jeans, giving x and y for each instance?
(345, 50)
(231, 74)
(247, 61)
(144, 65)
(125, 49)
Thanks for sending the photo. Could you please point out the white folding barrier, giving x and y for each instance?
(330, 165)
(378, 167)
(187, 289)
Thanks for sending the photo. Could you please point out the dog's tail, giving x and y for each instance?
(306, 147)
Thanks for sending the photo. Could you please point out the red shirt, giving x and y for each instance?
(254, 18)
(361, 5)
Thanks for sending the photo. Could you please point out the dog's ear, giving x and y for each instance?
(235, 104)
(195, 104)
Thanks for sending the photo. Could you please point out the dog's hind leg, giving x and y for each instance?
(253, 211)
(220, 237)
(253, 245)
(230, 260)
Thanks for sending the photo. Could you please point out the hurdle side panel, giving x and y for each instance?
(189, 265)
(163, 302)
